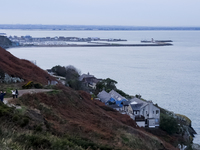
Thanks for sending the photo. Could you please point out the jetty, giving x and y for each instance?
(99, 45)
(28, 41)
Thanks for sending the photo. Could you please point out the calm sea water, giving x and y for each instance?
(169, 76)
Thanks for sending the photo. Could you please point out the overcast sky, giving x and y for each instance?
(101, 12)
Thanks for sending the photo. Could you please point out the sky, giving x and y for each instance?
(101, 12)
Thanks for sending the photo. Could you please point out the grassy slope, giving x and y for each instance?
(23, 69)
(68, 116)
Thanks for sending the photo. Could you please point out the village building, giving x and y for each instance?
(111, 98)
(89, 80)
(104, 96)
(143, 112)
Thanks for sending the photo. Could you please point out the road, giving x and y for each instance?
(21, 92)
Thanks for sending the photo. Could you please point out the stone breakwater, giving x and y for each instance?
(100, 45)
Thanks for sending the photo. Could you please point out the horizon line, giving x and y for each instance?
(105, 25)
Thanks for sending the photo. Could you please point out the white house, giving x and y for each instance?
(145, 113)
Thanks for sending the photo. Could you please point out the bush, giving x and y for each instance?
(123, 94)
(38, 86)
(168, 124)
(34, 141)
(15, 118)
(38, 128)
(5, 110)
(75, 84)
(24, 122)
(28, 85)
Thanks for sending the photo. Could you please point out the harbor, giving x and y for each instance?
(61, 41)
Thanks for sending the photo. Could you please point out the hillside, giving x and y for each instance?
(66, 119)
(5, 42)
(64, 115)
(21, 68)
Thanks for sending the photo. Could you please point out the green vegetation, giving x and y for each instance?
(31, 84)
(138, 143)
(46, 142)
(106, 84)
(63, 118)
(10, 114)
(28, 85)
(168, 124)
(185, 118)
(123, 94)
(9, 87)
(59, 70)
(71, 74)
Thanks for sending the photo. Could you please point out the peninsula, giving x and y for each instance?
(61, 41)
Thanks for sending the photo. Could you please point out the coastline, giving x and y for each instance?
(96, 45)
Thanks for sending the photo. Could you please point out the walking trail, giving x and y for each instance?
(21, 92)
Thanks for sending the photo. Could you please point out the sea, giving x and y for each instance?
(167, 75)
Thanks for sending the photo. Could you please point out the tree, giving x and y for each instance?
(72, 73)
(60, 71)
(106, 84)
(72, 77)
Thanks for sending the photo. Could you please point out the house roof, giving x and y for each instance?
(112, 95)
(116, 96)
(104, 96)
(138, 101)
(136, 106)
(135, 103)
(119, 103)
(125, 103)
(85, 76)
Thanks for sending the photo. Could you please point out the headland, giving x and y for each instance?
(61, 41)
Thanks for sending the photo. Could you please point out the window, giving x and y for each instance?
(157, 111)
(146, 112)
(153, 112)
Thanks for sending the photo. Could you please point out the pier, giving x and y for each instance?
(28, 41)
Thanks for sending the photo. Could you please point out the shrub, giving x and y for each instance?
(62, 144)
(75, 84)
(5, 110)
(168, 124)
(15, 118)
(122, 93)
(24, 122)
(38, 86)
(38, 128)
(28, 85)
(34, 141)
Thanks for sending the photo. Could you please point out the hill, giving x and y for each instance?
(5, 42)
(66, 119)
(21, 68)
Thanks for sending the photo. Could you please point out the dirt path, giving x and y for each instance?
(21, 92)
